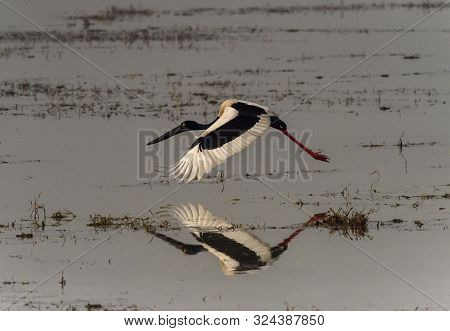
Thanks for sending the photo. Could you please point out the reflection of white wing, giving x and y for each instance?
(232, 246)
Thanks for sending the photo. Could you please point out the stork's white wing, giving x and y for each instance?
(197, 162)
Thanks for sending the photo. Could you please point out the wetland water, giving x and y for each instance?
(68, 143)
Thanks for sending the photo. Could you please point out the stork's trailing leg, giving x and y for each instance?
(315, 155)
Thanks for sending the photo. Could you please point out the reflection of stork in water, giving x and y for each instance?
(237, 250)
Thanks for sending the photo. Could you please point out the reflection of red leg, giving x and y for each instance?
(316, 155)
(316, 218)
(292, 236)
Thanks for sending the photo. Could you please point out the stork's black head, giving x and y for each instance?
(191, 125)
(183, 127)
(278, 124)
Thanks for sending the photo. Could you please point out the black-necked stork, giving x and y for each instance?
(238, 124)
(237, 250)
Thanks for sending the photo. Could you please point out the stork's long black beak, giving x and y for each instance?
(177, 130)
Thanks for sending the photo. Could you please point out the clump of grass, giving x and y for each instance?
(134, 223)
(349, 223)
(93, 306)
(114, 13)
(37, 210)
(63, 215)
(25, 236)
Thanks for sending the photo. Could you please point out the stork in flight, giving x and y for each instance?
(238, 124)
(238, 251)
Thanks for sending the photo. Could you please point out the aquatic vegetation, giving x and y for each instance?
(148, 224)
(63, 215)
(346, 222)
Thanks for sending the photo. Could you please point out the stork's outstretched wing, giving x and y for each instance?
(238, 126)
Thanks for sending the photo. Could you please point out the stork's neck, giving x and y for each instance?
(199, 126)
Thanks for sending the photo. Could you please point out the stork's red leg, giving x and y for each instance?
(316, 155)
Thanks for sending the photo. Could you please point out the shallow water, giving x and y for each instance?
(68, 133)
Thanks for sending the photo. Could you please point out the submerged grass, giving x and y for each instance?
(148, 224)
(131, 12)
